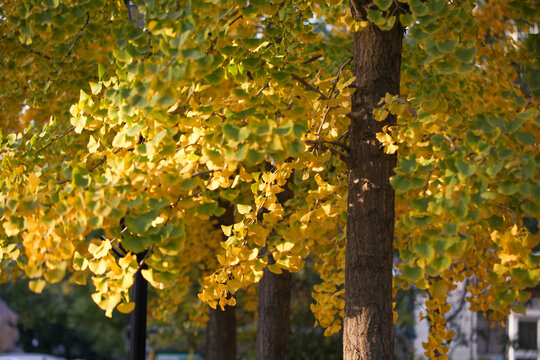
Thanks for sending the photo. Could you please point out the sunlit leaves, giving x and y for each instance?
(140, 223)
(200, 107)
(465, 155)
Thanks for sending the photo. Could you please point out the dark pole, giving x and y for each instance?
(138, 316)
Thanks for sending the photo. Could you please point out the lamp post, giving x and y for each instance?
(137, 350)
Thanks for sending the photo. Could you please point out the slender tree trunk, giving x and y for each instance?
(273, 319)
(221, 328)
(221, 336)
(368, 325)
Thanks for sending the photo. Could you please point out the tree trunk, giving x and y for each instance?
(368, 325)
(221, 336)
(273, 319)
(221, 328)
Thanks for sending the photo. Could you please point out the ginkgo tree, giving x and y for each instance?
(138, 135)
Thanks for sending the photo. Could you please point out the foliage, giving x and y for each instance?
(64, 321)
(152, 129)
(468, 169)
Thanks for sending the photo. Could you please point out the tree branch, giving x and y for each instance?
(309, 86)
(321, 141)
(312, 59)
(56, 139)
(194, 175)
(427, 181)
(341, 68)
(77, 37)
(451, 141)
(94, 167)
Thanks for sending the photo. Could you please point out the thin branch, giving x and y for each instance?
(56, 139)
(312, 59)
(332, 95)
(341, 155)
(512, 213)
(451, 141)
(79, 34)
(427, 181)
(333, 151)
(94, 167)
(409, 107)
(41, 54)
(461, 303)
(263, 88)
(528, 103)
(326, 112)
(336, 143)
(341, 68)
(146, 255)
(290, 105)
(188, 145)
(100, 162)
(343, 135)
(309, 86)
(116, 250)
(235, 20)
(194, 175)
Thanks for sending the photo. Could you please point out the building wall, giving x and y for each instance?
(9, 335)
(475, 337)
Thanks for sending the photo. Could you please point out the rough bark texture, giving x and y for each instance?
(368, 325)
(221, 336)
(221, 328)
(273, 321)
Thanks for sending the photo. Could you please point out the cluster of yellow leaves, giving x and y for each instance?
(245, 103)
(466, 181)
(182, 116)
(437, 344)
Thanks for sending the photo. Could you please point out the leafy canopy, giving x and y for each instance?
(140, 135)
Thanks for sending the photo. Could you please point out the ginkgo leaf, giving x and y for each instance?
(243, 209)
(37, 286)
(140, 223)
(81, 177)
(126, 308)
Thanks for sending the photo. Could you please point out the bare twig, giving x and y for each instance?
(427, 180)
(332, 94)
(309, 86)
(486, 156)
(56, 139)
(343, 135)
(41, 54)
(194, 175)
(235, 20)
(341, 155)
(100, 162)
(94, 167)
(528, 103)
(312, 59)
(77, 37)
(409, 107)
(451, 141)
(326, 112)
(512, 213)
(263, 88)
(339, 74)
(146, 255)
(321, 141)
(461, 303)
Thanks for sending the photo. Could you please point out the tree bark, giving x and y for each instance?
(368, 323)
(273, 319)
(221, 336)
(221, 328)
